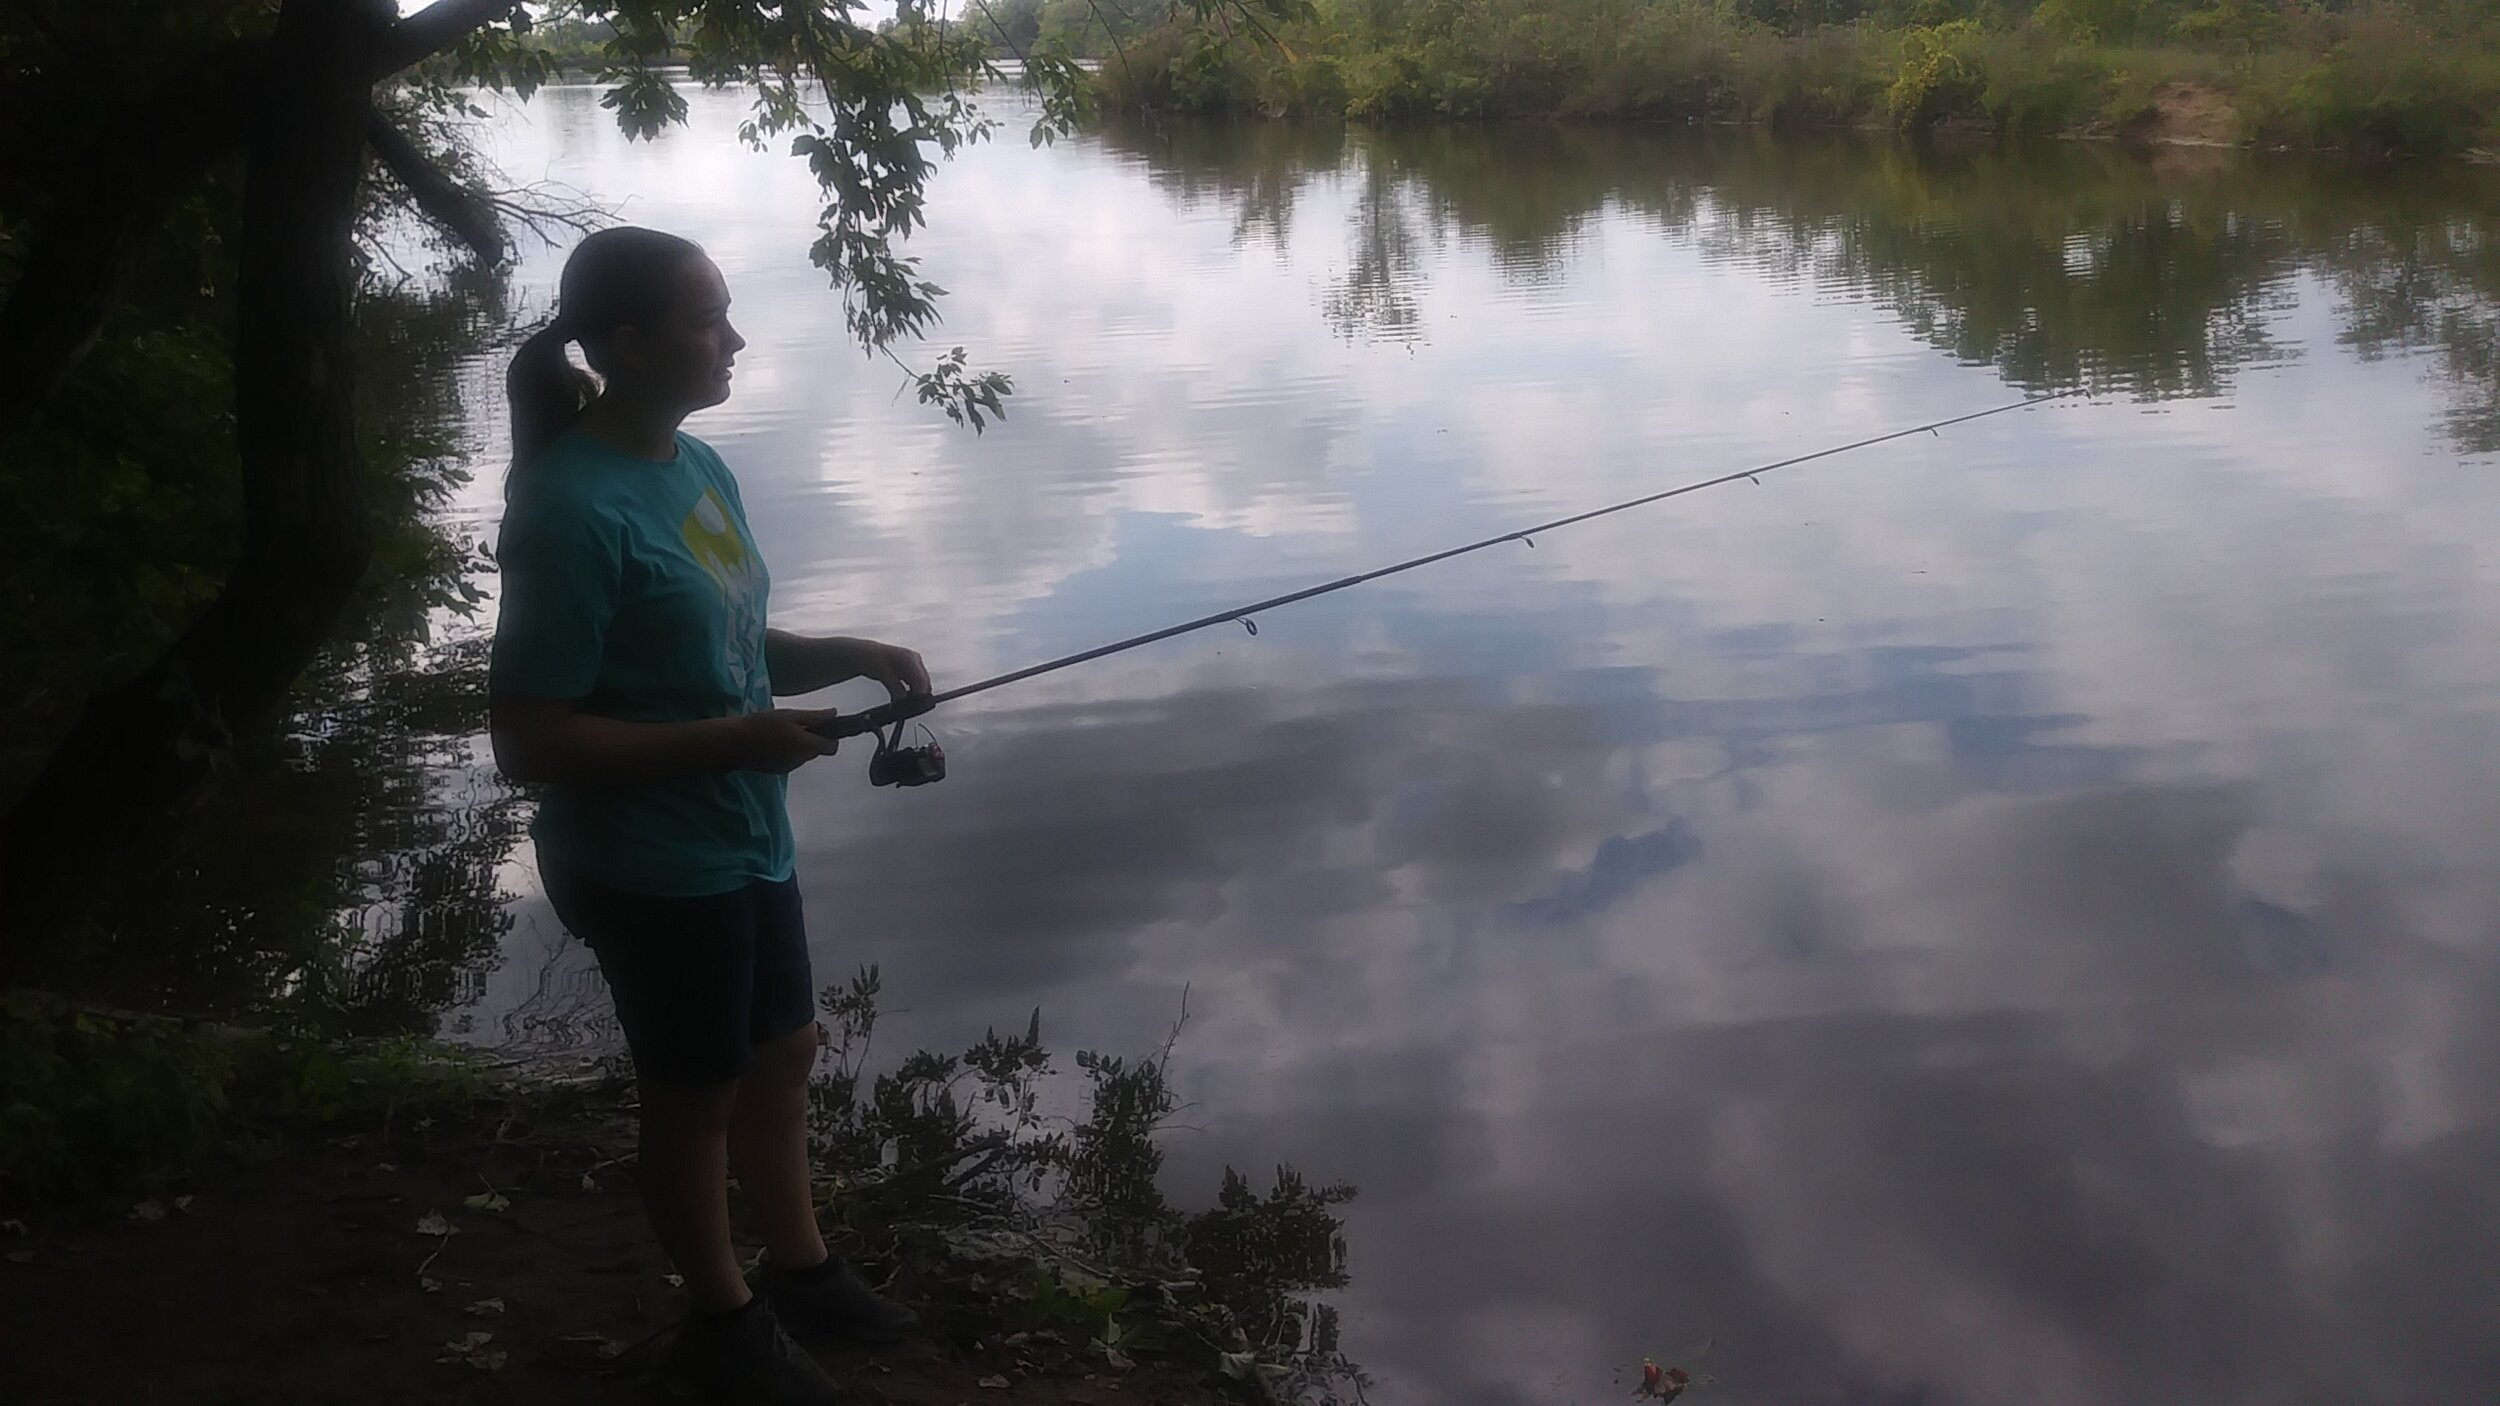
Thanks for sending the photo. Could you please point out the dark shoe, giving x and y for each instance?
(832, 1299)
(745, 1359)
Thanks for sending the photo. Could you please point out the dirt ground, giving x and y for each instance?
(304, 1278)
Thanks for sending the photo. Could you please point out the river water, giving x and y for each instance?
(2006, 916)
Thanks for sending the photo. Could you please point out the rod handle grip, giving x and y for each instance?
(877, 719)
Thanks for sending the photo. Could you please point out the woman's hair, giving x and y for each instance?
(613, 278)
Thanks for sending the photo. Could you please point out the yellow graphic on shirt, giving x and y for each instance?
(718, 547)
(713, 538)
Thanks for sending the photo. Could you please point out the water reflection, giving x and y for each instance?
(2057, 265)
(2002, 918)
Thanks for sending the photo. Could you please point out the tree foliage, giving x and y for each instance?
(871, 109)
(2403, 75)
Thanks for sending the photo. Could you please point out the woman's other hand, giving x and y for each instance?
(899, 669)
(805, 663)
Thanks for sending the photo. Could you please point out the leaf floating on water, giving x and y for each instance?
(432, 1223)
(488, 1200)
(483, 1308)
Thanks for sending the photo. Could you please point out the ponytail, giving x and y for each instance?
(617, 277)
(548, 393)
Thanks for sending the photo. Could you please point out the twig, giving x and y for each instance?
(1116, 46)
(1005, 38)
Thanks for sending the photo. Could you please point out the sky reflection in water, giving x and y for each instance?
(1996, 918)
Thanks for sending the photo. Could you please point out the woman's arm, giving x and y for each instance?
(550, 739)
(801, 664)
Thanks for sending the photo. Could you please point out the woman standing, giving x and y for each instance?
(634, 676)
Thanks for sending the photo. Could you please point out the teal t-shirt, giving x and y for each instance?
(635, 587)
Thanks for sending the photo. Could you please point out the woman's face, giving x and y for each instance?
(680, 361)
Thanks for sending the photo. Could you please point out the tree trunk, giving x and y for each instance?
(141, 748)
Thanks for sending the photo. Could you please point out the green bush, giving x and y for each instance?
(93, 1103)
(1830, 78)
(1937, 74)
(2035, 86)
(89, 1100)
(2389, 85)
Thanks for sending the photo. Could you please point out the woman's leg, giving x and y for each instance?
(768, 1149)
(681, 972)
(684, 1175)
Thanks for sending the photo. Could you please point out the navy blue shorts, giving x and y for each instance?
(698, 982)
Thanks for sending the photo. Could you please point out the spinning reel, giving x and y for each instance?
(893, 763)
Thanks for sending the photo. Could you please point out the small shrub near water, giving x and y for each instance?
(1937, 75)
(95, 1103)
(959, 1162)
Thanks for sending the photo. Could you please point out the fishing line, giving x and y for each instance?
(913, 705)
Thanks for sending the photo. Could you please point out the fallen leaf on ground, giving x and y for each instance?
(431, 1286)
(484, 1307)
(472, 1349)
(994, 1383)
(148, 1210)
(674, 1281)
(21, 1257)
(14, 1227)
(487, 1201)
(588, 1184)
(432, 1223)
(384, 1167)
(1117, 1360)
(182, 1203)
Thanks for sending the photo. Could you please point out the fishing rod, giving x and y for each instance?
(897, 765)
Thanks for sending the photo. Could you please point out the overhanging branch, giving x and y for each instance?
(435, 28)
(443, 200)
